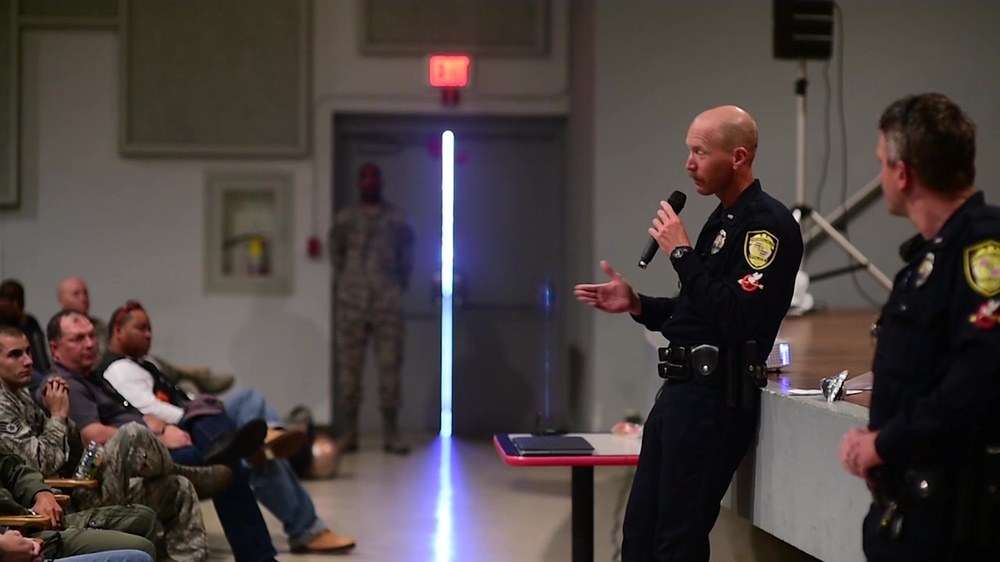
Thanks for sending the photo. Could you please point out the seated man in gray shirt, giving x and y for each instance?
(51, 444)
(99, 411)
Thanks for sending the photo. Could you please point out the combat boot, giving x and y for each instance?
(208, 480)
(391, 441)
(205, 381)
(347, 442)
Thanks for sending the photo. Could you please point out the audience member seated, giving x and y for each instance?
(12, 314)
(138, 381)
(73, 294)
(23, 492)
(99, 412)
(136, 468)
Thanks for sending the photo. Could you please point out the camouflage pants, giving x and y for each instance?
(137, 469)
(101, 529)
(181, 529)
(378, 319)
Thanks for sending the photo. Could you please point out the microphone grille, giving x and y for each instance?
(677, 200)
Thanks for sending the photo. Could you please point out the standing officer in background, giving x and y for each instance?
(930, 452)
(736, 286)
(372, 250)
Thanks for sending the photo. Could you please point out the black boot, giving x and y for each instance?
(347, 442)
(231, 447)
(391, 442)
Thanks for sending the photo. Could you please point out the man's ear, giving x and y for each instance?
(905, 176)
(740, 155)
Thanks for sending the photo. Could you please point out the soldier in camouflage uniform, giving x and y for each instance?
(137, 467)
(372, 250)
(101, 529)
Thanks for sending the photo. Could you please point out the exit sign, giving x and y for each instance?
(449, 71)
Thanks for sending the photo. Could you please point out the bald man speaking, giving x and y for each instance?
(736, 286)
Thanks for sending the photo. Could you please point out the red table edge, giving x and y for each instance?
(512, 459)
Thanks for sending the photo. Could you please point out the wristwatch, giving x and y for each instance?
(679, 252)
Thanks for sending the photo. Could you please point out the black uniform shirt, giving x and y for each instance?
(738, 283)
(937, 362)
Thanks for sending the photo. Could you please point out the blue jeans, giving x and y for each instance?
(276, 484)
(236, 506)
(110, 556)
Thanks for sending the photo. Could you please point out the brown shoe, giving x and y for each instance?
(326, 542)
(279, 444)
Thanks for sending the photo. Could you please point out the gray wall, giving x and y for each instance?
(658, 64)
(132, 227)
(638, 72)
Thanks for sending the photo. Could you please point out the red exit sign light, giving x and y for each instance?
(449, 71)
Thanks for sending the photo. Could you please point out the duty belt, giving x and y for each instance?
(893, 490)
(699, 363)
(737, 370)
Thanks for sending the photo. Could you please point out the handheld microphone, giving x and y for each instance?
(676, 202)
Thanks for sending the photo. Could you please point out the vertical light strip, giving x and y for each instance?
(444, 530)
(447, 273)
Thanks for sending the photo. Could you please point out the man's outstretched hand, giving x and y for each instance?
(613, 296)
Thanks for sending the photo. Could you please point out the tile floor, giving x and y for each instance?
(454, 500)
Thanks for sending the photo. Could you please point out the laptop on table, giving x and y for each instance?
(552, 445)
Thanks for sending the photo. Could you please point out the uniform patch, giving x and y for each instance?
(988, 315)
(982, 267)
(760, 248)
(11, 427)
(751, 282)
(924, 270)
(720, 241)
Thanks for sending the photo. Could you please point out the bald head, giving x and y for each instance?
(722, 143)
(73, 295)
(734, 128)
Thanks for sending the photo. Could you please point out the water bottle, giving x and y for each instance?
(89, 462)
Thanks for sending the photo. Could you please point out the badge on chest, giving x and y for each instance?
(719, 242)
(924, 270)
(982, 267)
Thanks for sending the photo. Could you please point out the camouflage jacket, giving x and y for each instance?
(372, 248)
(20, 484)
(48, 444)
